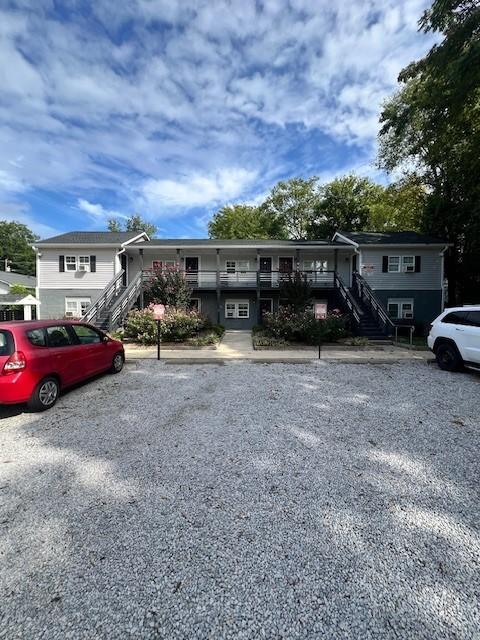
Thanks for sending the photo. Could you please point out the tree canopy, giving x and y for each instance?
(133, 223)
(16, 241)
(244, 221)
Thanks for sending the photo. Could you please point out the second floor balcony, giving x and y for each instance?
(322, 279)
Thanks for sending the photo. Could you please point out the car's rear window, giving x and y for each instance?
(37, 337)
(456, 317)
(6, 343)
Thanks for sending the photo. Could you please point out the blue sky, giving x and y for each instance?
(171, 109)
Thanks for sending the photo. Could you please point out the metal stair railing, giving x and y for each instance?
(367, 296)
(125, 302)
(111, 291)
(349, 300)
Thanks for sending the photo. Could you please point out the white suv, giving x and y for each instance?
(454, 338)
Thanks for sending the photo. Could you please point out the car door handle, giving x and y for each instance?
(457, 329)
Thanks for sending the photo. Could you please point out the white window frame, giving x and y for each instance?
(69, 264)
(411, 263)
(78, 312)
(316, 265)
(199, 301)
(85, 262)
(401, 313)
(236, 268)
(236, 309)
(398, 265)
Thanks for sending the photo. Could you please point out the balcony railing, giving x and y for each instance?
(252, 279)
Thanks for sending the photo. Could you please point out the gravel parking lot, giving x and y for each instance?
(245, 501)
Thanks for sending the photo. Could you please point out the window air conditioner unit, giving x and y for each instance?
(408, 315)
(69, 314)
(82, 267)
(410, 268)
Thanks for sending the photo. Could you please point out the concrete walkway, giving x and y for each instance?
(237, 345)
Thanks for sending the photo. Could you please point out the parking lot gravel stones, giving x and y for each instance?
(245, 501)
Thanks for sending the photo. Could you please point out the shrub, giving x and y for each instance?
(303, 327)
(296, 291)
(168, 287)
(177, 325)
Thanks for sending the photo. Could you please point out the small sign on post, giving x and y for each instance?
(158, 315)
(320, 314)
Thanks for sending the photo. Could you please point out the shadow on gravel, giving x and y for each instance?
(328, 501)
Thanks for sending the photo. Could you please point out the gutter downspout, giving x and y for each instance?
(442, 275)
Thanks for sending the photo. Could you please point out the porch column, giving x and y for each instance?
(218, 287)
(297, 259)
(142, 305)
(335, 260)
(27, 312)
(179, 259)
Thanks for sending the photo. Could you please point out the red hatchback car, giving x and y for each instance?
(39, 358)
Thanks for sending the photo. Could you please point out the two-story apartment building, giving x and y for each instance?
(377, 278)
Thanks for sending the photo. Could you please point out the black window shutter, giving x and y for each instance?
(93, 264)
(61, 263)
(418, 264)
(385, 264)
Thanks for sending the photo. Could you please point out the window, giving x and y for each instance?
(456, 317)
(70, 263)
(58, 336)
(231, 266)
(393, 264)
(314, 265)
(84, 263)
(194, 304)
(164, 265)
(76, 307)
(408, 264)
(37, 337)
(6, 343)
(240, 309)
(400, 309)
(86, 335)
(473, 318)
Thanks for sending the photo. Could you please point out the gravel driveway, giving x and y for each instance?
(245, 501)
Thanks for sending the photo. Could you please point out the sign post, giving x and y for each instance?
(158, 314)
(320, 314)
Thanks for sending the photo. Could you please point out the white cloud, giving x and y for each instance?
(198, 190)
(98, 211)
(18, 212)
(235, 85)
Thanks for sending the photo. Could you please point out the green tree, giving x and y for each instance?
(16, 241)
(345, 204)
(169, 288)
(245, 222)
(20, 289)
(433, 124)
(401, 206)
(296, 292)
(133, 223)
(294, 204)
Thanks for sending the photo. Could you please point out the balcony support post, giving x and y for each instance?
(335, 260)
(218, 287)
(297, 259)
(142, 304)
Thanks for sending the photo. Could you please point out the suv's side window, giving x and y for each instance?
(58, 336)
(473, 318)
(86, 335)
(456, 317)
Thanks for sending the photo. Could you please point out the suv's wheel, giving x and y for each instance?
(448, 357)
(117, 363)
(45, 395)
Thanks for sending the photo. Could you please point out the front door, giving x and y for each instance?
(191, 269)
(265, 268)
(354, 264)
(285, 265)
(124, 261)
(266, 306)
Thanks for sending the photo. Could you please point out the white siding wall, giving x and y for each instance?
(51, 278)
(428, 278)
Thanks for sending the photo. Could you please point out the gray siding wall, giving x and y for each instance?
(53, 300)
(50, 277)
(427, 279)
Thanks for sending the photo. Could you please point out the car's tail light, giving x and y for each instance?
(16, 362)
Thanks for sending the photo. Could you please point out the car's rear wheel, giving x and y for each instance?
(45, 394)
(448, 357)
(117, 363)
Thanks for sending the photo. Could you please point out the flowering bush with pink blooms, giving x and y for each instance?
(292, 326)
